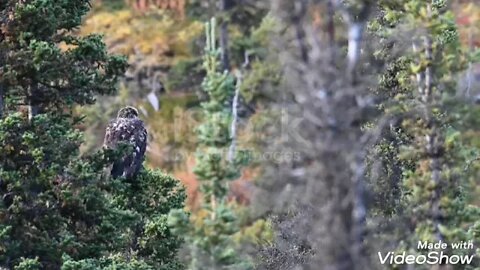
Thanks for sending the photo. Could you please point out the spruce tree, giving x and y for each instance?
(437, 183)
(59, 210)
(432, 198)
(209, 235)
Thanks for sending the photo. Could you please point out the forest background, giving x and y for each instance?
(336, 131)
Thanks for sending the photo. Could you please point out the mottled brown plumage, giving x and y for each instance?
(127, 128)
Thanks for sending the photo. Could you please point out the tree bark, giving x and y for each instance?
(33, 110)
(2, 101)
(330, 139)
(225, 6)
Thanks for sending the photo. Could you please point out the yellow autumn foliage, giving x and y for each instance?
(154, 34)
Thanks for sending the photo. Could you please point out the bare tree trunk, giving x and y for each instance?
(2, 101)
(470, 64)
(233, 126)
(331, 23)
(330, 139)
(33, 110)
(225, 6)
(330, 29)
(359, 206)
(356, 28)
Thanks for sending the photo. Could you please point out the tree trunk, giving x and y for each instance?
(330, 139)
(225, 6)
(33, 110)
(2, 102)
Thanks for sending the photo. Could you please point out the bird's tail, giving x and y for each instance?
(117, 169)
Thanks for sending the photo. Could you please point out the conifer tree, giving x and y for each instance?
(438, 178)
(59, 210)
(209, 236)
(432, 201)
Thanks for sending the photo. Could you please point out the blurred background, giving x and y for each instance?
(164, 41)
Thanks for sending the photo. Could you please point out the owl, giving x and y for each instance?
(127, 128)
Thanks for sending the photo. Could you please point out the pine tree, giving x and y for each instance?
(432, 201)
(59, 210)
(439, 202)
(209, 236)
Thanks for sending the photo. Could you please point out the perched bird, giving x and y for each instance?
(127, 128)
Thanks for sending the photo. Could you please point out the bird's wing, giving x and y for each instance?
(130, 131)
(138, 139)
(111, 134)
(121, 130)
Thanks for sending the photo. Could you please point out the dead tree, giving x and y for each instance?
(323, 125)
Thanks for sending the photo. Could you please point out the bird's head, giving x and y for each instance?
(128, 112)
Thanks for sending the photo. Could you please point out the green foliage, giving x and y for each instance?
(431, 193)
(185, 74)
(114, 262)
(264, 75)
(160, 48)
(59, 210)
(209, 236)
(37, 68)
(242, 14)
(73, 209)
(28, 264)
(214, 135)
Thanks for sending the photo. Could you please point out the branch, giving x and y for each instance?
(470, 162)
